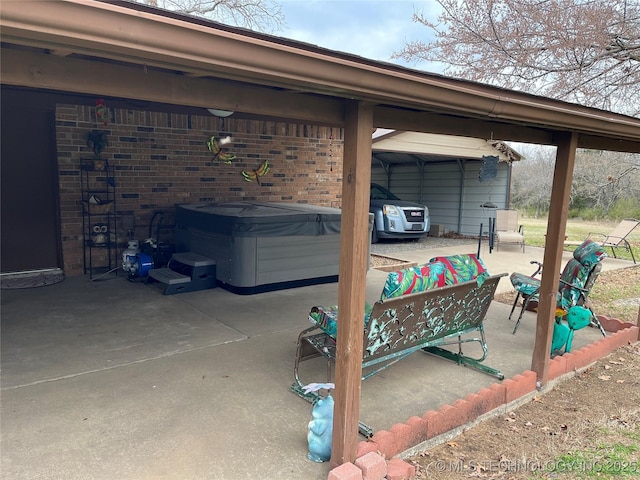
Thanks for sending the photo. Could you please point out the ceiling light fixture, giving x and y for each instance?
(220, 113)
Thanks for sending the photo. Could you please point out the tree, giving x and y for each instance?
(603, 178)
(583, 51)
(260, 15)
(603, 182)
(532, 178)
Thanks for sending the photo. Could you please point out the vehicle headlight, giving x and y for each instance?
(391, 210)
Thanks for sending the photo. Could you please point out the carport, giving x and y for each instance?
(127, 50)
(453, 175)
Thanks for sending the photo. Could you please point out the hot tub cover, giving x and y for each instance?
(260, 219)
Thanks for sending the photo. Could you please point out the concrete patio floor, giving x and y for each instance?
(110, 379)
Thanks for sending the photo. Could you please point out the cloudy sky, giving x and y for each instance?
(373, 29)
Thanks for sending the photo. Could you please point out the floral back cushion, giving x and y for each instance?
(464, 267)
(589, 253)
(573, 275)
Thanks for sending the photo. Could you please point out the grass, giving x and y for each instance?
(601, 461)
(577, 230)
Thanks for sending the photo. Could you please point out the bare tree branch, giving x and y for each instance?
(260, 15)
(585, 51)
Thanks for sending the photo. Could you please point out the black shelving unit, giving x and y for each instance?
(98, 217)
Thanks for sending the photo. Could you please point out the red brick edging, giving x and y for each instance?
(371, 463)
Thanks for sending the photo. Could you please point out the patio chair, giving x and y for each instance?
(576, 281)
(507, 230)
(618, 236)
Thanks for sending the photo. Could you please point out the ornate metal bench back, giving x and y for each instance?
(398, 324)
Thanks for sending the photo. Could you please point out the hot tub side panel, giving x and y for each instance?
(282, 259)
(251, 259)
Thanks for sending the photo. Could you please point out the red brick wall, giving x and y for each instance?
(161, 160)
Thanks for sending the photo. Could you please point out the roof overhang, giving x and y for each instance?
(398, 147)
(129, 50)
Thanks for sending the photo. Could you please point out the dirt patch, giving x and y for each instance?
(585, 426)
(389, 264)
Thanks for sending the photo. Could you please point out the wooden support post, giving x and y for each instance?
(556, 226)
(354, 248)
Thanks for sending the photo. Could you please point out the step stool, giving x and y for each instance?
(186, 272)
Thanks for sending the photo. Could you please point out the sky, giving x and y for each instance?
(373, 29)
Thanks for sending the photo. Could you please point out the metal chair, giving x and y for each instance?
(576, 281)
(618, 236)
(507, 230)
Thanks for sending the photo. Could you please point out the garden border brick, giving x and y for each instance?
(486, 401)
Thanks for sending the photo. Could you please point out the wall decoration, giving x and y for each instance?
(97, 141)
(215, 146)
(254, 175)
(489, 169)
(101, 111)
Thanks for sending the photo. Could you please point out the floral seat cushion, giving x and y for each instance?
(525, 284)
(327, 318)
(573, 275)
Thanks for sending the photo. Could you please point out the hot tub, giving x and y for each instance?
(262, 246)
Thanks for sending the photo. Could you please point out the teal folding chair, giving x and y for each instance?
(576, 281)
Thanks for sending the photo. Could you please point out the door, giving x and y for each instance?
(29, 213)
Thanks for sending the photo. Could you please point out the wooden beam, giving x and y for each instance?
(36, 70)
(556, 226)
(599, 143)
(354, 248)
(199, 89)
(175, 43)
(488, 129)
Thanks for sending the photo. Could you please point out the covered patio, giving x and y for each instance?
(111, 379)
(130, 51)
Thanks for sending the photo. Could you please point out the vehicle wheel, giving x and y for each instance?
(374, 234)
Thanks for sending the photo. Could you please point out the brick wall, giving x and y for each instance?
(161, 160)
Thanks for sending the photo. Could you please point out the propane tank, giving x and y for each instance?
(129, 256)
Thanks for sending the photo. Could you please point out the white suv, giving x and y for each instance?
(395, 218)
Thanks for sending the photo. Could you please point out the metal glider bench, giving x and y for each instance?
(422, 308)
